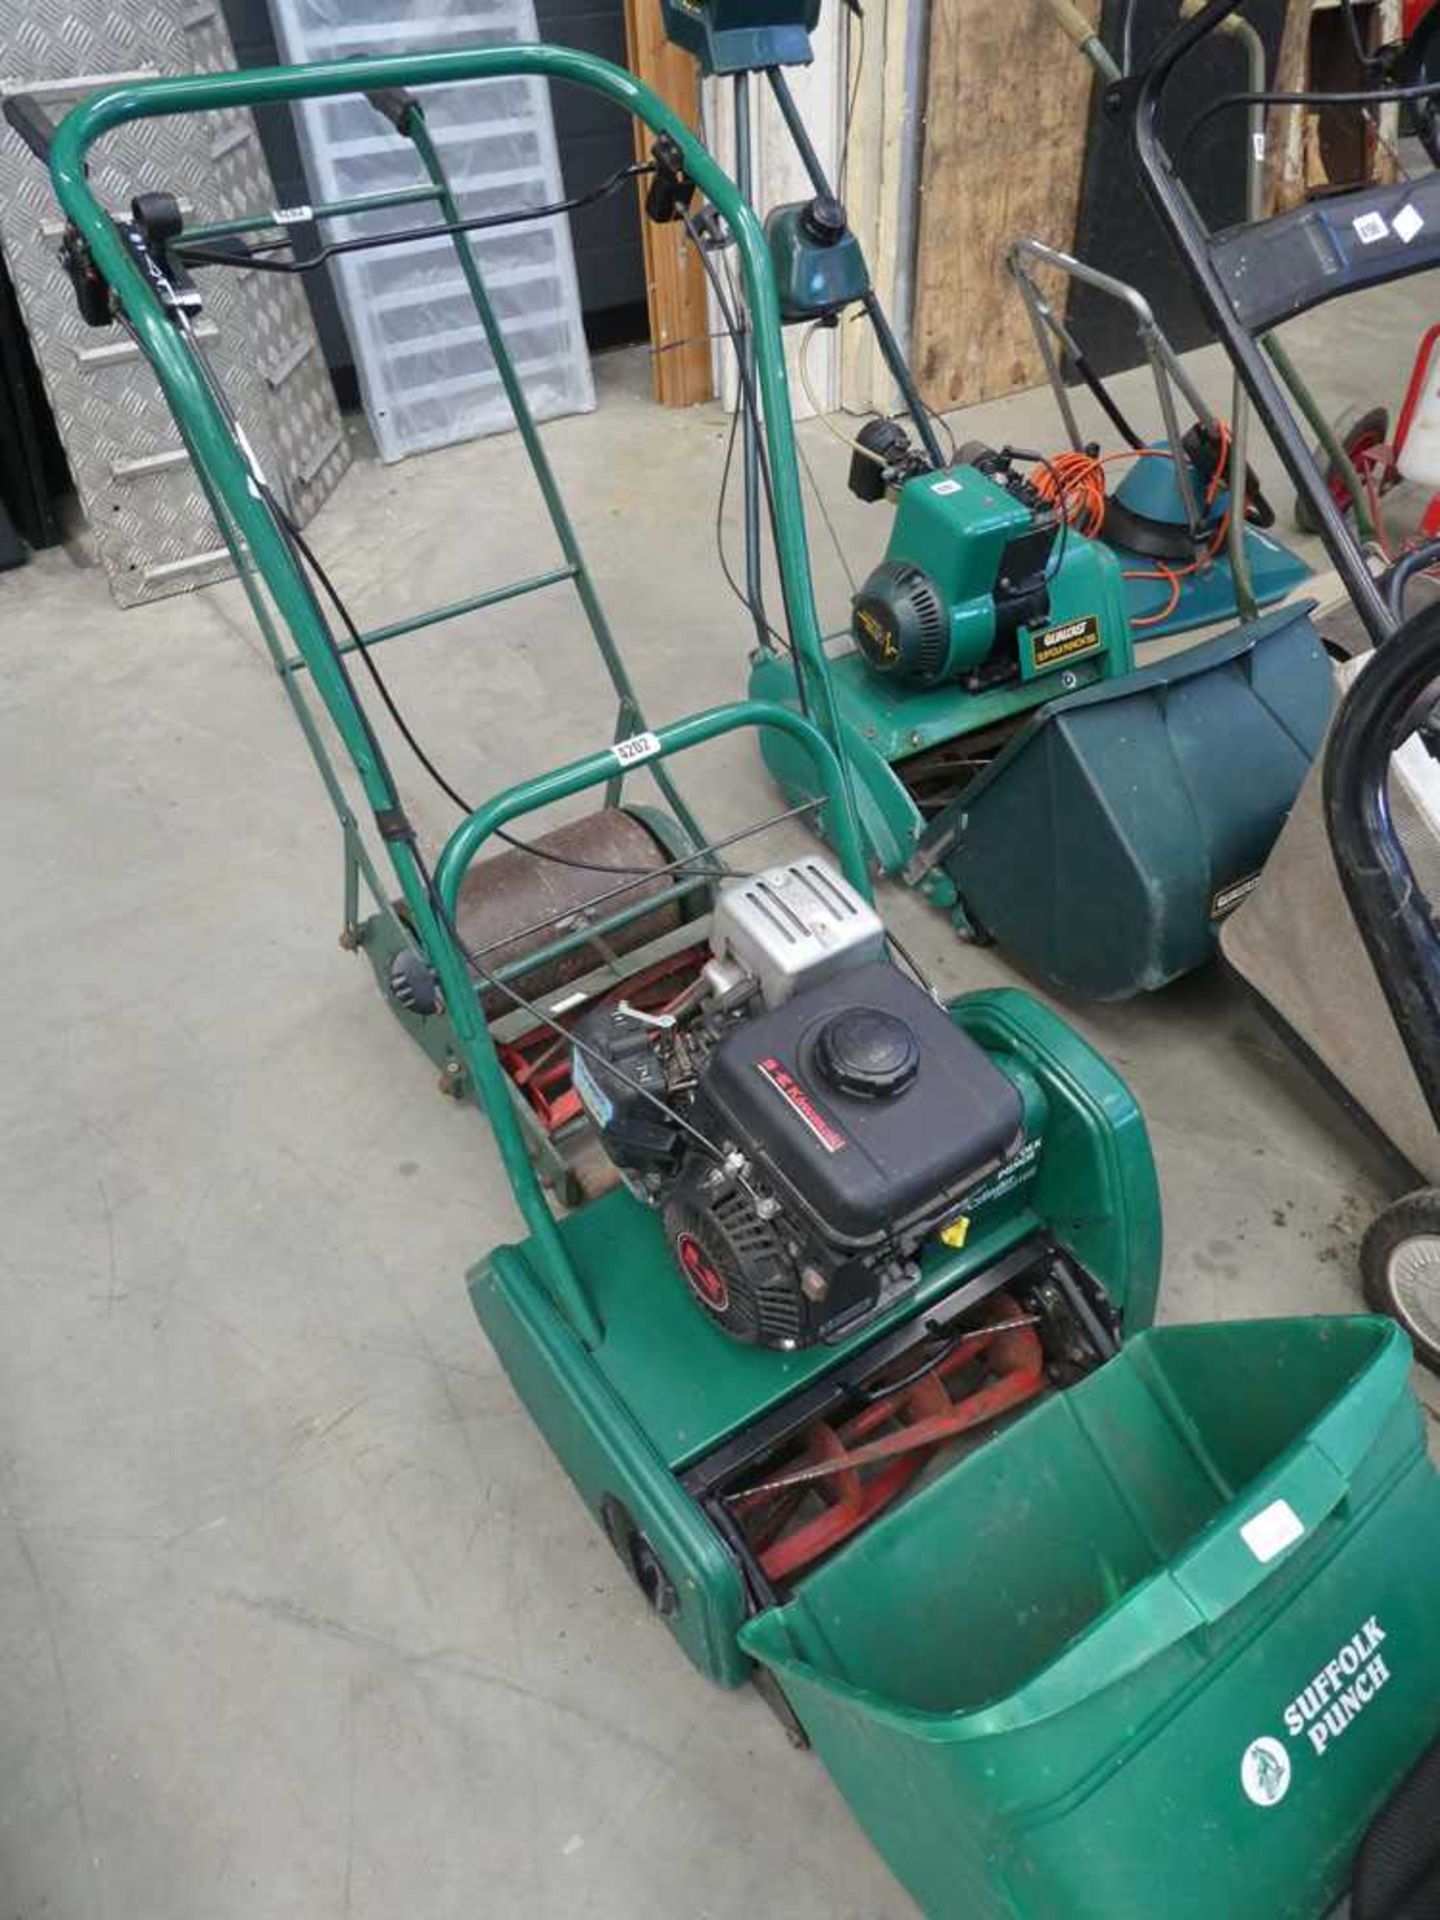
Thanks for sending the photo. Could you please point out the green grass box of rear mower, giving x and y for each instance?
(1097, 819)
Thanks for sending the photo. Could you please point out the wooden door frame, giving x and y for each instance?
(675, 288)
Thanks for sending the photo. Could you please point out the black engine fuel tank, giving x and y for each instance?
(866, 1102)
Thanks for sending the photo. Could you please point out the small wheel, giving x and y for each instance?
(1361, 434)
(1400, 1269)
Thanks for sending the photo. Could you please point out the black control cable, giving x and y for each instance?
(362, 647)
(307, 558)
(721, 499)
(255, 255)
(751, 401)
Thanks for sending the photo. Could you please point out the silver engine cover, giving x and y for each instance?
(794, 925)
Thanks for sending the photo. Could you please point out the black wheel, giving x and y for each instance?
(1362, 433)
(1400, 1269)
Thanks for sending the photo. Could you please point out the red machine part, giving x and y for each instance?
(858, 1465)
(1420, 380)
(1415, 392)
(538, 1062)
(539, 1065)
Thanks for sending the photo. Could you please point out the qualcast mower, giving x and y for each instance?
(846, 1343)
(1009, 756)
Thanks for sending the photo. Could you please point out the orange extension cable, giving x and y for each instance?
(1077, 482)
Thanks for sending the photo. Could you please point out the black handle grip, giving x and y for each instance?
(31, 122)
(396, 103)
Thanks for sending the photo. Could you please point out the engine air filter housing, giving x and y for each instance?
(794, 925)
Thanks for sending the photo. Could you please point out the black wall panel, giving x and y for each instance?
(1116, 229)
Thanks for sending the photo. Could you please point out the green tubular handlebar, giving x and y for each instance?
(264, 222)
(527, 796)
(255, 536)
(194, 408)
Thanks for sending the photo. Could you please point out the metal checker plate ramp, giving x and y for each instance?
(152, 528)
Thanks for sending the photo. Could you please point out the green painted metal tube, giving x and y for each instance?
(527, 796)
(326, 210)
(630, 719)
(416, 130)
(204, 93)
(436, 616)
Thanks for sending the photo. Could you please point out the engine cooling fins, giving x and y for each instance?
(736, 1267)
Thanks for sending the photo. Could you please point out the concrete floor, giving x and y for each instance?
(301, 1619)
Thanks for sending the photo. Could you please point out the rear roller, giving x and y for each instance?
(523, 899)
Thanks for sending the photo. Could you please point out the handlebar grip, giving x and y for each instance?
(394, 102)
(32, 123)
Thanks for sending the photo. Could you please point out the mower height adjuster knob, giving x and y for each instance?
(413, 984)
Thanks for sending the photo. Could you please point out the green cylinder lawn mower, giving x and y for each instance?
(1010, 756)
(847, 1340)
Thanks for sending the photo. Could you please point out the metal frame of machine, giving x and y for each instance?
(1262, 572)
(1084, 1211)
(1184, 1562)
(1391, 698)
(589, 960)
(1085, 38)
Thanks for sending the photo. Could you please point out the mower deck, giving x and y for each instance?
(688, 1386)
(686, 1383)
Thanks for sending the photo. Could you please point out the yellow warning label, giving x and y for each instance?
(956, 1234)
(1066, 642)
